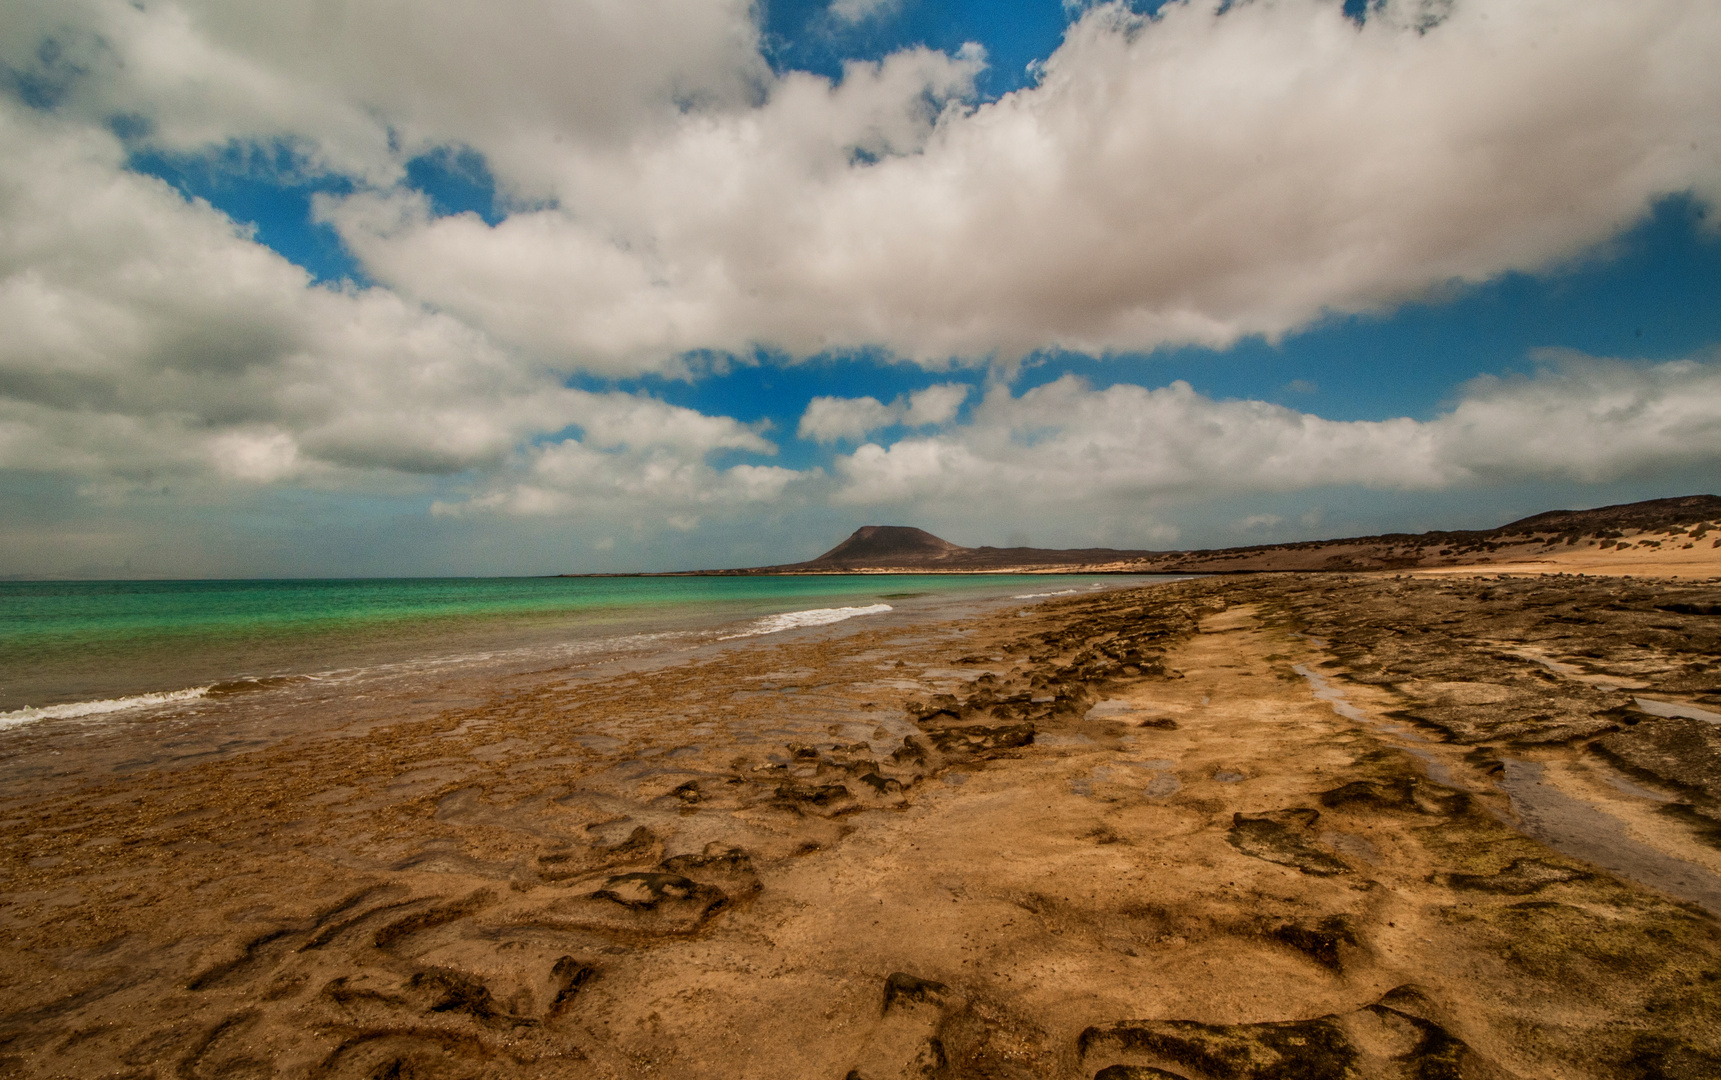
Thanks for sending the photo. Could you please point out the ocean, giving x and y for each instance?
(84, 650)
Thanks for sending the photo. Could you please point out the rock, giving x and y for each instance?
(566, 978)
(901, 987)
(647, 903)
(1277, 838)
(883, 785)
(1389, 1039)
(981, 741)
(1521, 878)
(1406, 794)
(826, 800)
(457, 991)
(729, 869)
(1320, 943)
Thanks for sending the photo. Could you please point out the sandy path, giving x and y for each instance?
(768, 867)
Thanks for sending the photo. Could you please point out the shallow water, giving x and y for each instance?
(365, 686)
(76, 648)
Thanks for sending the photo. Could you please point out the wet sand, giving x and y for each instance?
(1119, 836)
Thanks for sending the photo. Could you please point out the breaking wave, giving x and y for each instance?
(75, 709)
(793, 620)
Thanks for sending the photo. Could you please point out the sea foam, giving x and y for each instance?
(76, 709)
(792, 620)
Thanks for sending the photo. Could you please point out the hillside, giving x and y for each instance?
(1659, 536)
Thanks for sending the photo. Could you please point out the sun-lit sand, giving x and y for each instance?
(1649, 554)
(1280, 826)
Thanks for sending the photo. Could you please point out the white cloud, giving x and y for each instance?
(834, 419)
(1063, 443)
(935, 404)
(854, 11)
(366, 83)
(637, 482)
(1196, 177)
(147, 338)
(1587, 420)
(1215, 171)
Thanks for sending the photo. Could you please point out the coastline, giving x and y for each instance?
(1031, 842)
(79, 648)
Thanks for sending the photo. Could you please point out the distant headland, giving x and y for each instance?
(1679, 536)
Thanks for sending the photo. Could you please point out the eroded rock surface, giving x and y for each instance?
(1118, 837)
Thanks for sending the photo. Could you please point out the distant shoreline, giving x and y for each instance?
(1660, 537)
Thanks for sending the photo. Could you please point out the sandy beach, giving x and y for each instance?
(1288, 826)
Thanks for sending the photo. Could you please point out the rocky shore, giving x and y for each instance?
(1250, 827)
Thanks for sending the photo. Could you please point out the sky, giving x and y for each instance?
(369, 287)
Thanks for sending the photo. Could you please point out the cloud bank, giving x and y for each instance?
(1066, 444)
(1066, 447)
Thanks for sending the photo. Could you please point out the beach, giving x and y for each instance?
(1285, 826)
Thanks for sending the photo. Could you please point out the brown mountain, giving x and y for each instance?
(1621, 536)
(872, 543)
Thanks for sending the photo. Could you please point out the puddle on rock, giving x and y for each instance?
(1576, 828)
(1675, 710)
(1568, 825)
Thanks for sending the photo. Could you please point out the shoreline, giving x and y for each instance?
(1028, 843)
(95, 651)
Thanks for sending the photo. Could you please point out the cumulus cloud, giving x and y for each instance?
(680, 242)
(148, 338)
(1577, 418)
(1211, 172)
(637, 457)
(834, 419)
(367, 83)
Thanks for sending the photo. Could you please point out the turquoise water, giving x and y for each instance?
(82, 641)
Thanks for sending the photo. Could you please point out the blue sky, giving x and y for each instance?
(718, 284)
